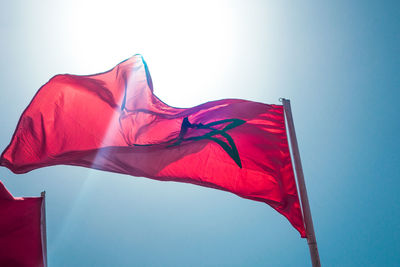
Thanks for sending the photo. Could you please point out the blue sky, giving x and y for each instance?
(339, 64)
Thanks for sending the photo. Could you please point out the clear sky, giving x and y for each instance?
(339, 64)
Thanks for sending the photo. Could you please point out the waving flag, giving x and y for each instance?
(112, 121)
(22, 236)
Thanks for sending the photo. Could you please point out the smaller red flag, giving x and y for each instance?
(20, 230)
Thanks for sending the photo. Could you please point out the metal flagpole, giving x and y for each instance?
(43, 228)
(312, 242)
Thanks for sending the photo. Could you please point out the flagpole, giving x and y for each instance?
(311, 240)
(43, 228)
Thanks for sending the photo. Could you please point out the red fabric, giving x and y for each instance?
(20, 233)
(112, 121)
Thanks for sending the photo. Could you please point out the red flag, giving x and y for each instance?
(112, 121)
(20, 230)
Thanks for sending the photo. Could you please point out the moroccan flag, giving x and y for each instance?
(21, 235)
(112, 121)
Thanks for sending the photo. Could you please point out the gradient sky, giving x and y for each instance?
(339, 64)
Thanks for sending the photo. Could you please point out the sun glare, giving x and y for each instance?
(183, 43)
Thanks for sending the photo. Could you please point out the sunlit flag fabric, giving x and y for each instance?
(112, 121)
(20, 230)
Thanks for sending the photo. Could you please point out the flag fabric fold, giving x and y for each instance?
(20, 230)
(112, 121)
